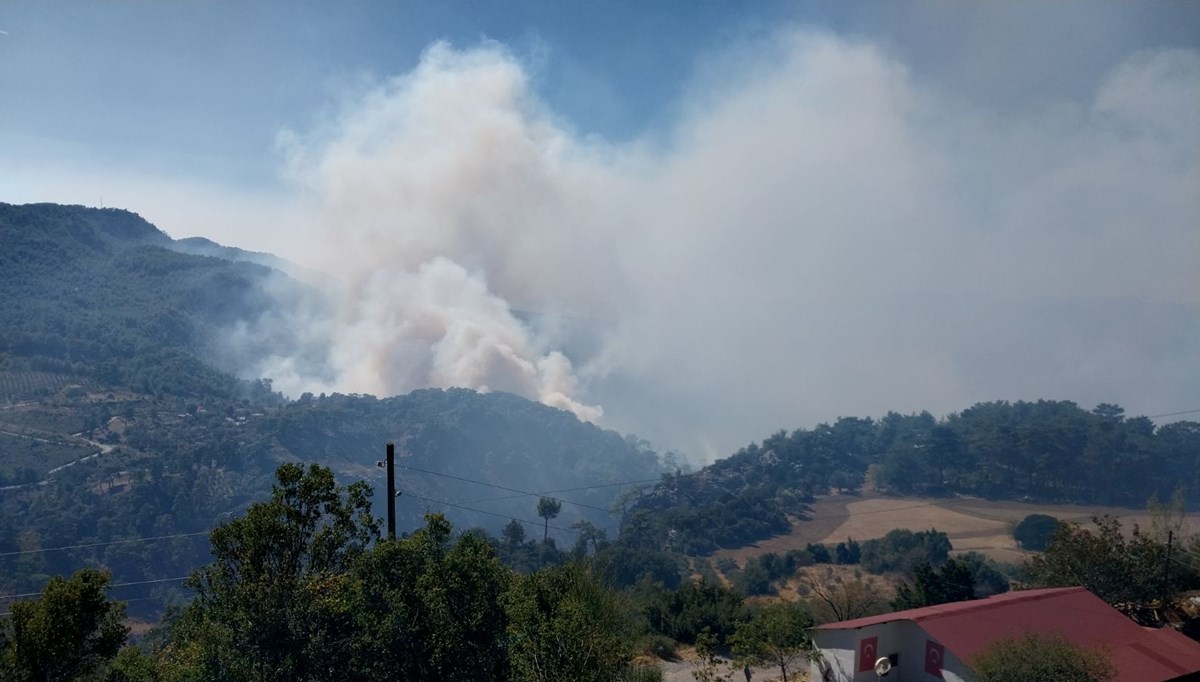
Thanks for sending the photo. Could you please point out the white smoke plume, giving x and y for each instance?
(820, 234)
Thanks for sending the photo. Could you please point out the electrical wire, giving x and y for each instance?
(566, 490)
(114, 585)
(105, 544)
(481, 511)
(523, 493)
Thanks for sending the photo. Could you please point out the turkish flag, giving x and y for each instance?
(868, 650)
(934, 655)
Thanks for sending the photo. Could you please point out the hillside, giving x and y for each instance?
(117, 421)
(102, 294)
(1044, 451)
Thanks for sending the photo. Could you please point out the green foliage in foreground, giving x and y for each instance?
(776, 635)
(67, 634)
(302, 588)
(1041, 657)
(1126, 572)
(696, 607)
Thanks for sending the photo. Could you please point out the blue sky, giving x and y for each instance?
(202, 88)
(745, 216)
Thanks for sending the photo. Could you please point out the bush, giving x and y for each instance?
(902, 550)
(754, 580)
(1041, 657)
(799, 558)
(662, 647)
(694, 608)
(1034, 531)
(848, 552)
(819, 553)
(727, 565)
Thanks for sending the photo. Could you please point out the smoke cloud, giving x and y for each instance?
(821, 233)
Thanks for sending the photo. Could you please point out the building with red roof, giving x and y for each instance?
(938, 642)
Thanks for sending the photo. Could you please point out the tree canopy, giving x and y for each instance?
(1041, 657)
(68, 633)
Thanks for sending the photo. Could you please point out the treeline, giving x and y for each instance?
(1050, 451)
(304, 587)
(182, 465)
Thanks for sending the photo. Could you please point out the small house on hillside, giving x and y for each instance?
(937, 642)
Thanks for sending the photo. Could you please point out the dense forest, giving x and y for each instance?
(124, 442)
(179, 467)
(1049, 451)
(118, 422)
(304, 586)
(102, 294)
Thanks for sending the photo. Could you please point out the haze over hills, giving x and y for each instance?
(111, 341)
(945, 247)
(125, 439)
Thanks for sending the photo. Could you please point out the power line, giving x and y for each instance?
(481, 511)
(523, 493)
(1171, 414)
(114, 585)
(566, 490)
(105, 544)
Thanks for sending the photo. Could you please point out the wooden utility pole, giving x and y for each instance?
(1166, 586)
(391, 490)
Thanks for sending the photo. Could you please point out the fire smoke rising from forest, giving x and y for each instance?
(820, 233)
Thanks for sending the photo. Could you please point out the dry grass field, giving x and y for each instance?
(972, 523)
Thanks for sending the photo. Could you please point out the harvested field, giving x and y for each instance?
(972, 523)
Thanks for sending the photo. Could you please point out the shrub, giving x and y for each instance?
(1034, 531)
(1041, 657)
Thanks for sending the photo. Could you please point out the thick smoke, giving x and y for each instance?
(820, 234)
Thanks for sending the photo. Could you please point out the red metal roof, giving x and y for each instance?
(965, 628)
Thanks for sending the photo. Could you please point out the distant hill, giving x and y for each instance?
(1049, 451)
(103, 294)
(117, 420)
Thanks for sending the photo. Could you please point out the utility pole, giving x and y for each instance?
(391, 493)
(1167, 570)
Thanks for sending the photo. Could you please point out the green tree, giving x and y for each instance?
(588, 534)
(548, 508)
(697, 606)
(776, 635)
(272, 604)
(1041, 657)
(1034, 531)
(514, 532)
(132, 664)
(953, 581)
(565, 625)
(902, 550)
(753, 579)
(427, 607)
(68, 633)
(708, 663)
(1126, 573)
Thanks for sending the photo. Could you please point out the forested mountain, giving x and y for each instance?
(103, 294)
(117, 421)
(1044, 451)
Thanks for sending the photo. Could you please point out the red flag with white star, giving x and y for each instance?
(868, 649)
(934, 655)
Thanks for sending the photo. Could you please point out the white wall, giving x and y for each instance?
(839, 648)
